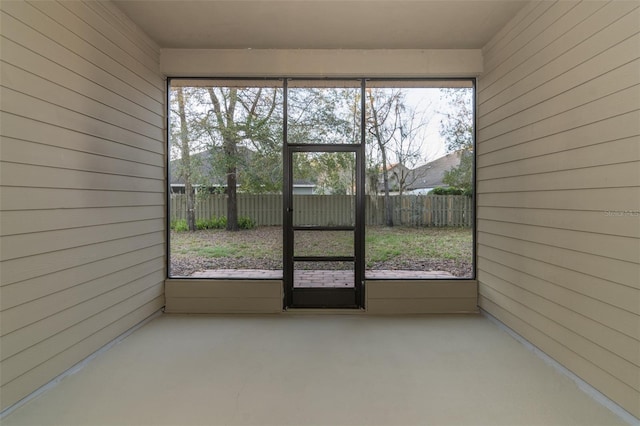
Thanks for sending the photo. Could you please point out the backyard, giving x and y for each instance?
(397, 248)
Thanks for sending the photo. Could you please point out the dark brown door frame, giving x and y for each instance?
(324, 297)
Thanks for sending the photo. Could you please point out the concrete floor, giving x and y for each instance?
(316, 370)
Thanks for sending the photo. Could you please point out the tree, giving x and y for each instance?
(395, 130)
(239, 118)
(457, 129)
(322, 116)
(382, 124)
(183, 140)
(229, 132)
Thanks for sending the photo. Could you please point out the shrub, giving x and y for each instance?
(213, 223)
(202, 224)
(245, 222)
(450, 191)
(218, 222)
(179, 225)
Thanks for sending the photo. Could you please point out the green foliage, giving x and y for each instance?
(462, 175)
(213, 223)
(457, 130)
(245, 222)
(179, 225)
(440, 190)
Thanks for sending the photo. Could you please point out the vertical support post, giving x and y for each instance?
(287, 207)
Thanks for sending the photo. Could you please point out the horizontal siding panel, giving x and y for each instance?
(612, 24)
(609, 106)
(620, 127)
(86, 37)
(26, 268)
(27, 340)
(47, 45)
(44, 350)
(622, 248)
(625, 273)
(30, 221)
(606, 176)
(223, 305)
(118, 320)
(576, 220)
(54, 21)
(619, 151)
(24, 129)
(614, 294)
(109, 12)
(553, 21)
(559, 189)
(625, 337)
(83, 186)
(18, 246)
(599, 200)
(422, 306)
(29, 61)
(116, 42)
(88, 274)
(624, 395)
(31, 85)
(25, 175)
(16, 198)
(403, 289)
(527, 305)
(36, 109)
(223, 288)
(36, 154)
(28, 317)
(615, 57)
(514, 26)
(610, 82)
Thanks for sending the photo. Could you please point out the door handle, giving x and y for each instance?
(289, 210)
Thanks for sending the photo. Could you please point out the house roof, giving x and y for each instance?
(203, 159)
(431, 174)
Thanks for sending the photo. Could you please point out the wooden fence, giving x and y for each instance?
(266, 210)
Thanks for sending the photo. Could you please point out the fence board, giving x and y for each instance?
(266, 209)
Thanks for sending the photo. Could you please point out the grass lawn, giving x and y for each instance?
(397, 248)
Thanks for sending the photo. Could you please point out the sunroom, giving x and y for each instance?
(538, 324)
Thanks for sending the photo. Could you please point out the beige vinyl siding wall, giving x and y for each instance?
(82, 186)
(558, 182)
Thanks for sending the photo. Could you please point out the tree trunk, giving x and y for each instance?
(186, 163)
(229, 136)
(232, 181)
(388, 208)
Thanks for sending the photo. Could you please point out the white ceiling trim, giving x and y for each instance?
(321, 24)
(319, 63)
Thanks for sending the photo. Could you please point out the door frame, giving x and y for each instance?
(324, 297)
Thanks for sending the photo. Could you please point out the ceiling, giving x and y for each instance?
(321, 24)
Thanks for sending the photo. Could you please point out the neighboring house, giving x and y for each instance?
(204, 170)
(303, 187)
(422, 179)
(218, 183)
